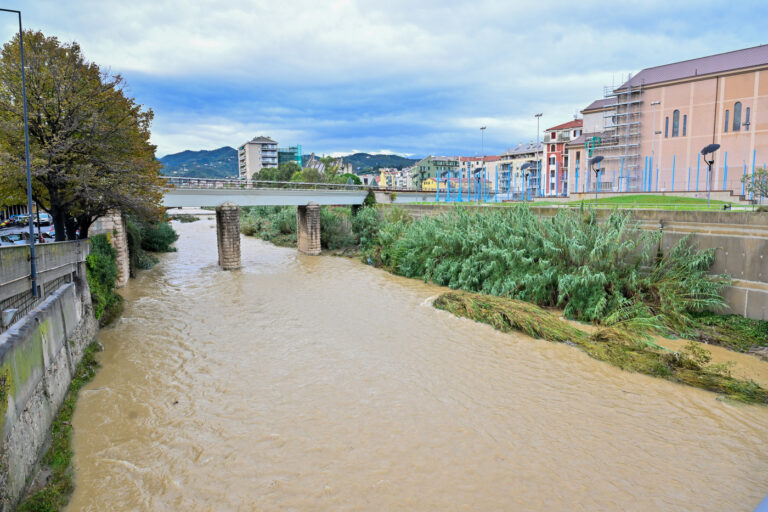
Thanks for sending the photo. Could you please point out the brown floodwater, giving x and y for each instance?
(318, 383)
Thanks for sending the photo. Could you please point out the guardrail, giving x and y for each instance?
(207, 183)
(656, 206)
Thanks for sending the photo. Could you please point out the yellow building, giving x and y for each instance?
(430, 185)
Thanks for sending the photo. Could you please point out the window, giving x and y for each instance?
(685, 123)
(726, 121)
(552, 160)
(551, 147)
(552, 136)
(737, 116)
(666, 128)
(578, 154)
(746, 121)
(675, 123)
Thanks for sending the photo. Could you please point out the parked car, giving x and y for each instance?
(15, 239)
(44, 219)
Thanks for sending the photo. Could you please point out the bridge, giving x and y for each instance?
(229, 195)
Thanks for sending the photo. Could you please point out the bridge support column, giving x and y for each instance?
(228, 235)
(308, 229)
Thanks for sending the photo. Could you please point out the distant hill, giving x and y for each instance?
(216, 163)
(362, 162)
(222, 163)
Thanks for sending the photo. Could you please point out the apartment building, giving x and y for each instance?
(431, 166)
(255, 154)
(556, 156)
(656, 123)
(517, 182)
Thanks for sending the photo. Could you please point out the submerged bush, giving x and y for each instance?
(101, 265)
(158, 237)
(336, 229)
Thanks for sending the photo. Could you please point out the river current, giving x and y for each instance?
(321, 384)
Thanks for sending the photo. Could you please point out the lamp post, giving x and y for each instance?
(537, 148)
(709, 150)
(526, 168)
(595, 161)
(32, 260)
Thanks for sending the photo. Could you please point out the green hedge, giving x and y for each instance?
(101, 266)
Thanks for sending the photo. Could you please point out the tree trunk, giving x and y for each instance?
(59, 222)
(71, 224)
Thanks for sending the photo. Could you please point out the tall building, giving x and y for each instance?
(289, 154)
(254, 155)
(517, 182)
(656, 123)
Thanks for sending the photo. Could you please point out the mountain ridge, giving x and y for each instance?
(222, 162)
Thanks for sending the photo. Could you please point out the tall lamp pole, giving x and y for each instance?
(653, 135)
(32, 260)
(595, 161)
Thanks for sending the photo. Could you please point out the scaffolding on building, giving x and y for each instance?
(620, 140)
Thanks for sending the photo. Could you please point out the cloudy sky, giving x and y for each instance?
(412, 77)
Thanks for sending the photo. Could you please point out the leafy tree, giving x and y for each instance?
(89, 142)
(757, 184)
(308, 175)
(348, 176)
(284, 172)
(331, 168)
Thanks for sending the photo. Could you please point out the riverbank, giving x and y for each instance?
(50, 486)
(612, 275)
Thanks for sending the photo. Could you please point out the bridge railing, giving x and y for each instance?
(208, 183)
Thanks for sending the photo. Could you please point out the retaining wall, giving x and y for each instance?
(38, 357)
(740, 240)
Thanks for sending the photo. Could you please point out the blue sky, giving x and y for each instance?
(407, 77)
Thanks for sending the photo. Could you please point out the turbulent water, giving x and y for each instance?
(318, 383)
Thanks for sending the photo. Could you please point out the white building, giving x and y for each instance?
(256, 154)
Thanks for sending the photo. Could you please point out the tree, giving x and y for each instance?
(283, 172)
(89, 142)
(343, 178)
(757, 184)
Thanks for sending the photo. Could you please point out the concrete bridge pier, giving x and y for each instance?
(308, 229)
(228, 235)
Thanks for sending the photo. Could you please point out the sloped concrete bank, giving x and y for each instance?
(38, 358)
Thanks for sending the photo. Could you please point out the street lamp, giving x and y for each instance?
(32, 260)
(595, 161)
(709, 150)
(526, 168)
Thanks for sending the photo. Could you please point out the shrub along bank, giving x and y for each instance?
(612, 274)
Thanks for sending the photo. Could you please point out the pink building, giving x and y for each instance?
(657, 122)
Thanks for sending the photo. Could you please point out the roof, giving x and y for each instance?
(576, 123)
(523, 149)
(582, 139)
(599, 104)
(261, 139)
(720, 63)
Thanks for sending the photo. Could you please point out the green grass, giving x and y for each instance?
(55, 495)
(641, 199)
(626, 350)
(730, 331)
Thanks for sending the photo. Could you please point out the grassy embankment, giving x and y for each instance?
(101, 266)
(626, 201)
(612, 275)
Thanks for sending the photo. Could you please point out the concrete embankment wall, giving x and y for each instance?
(740, 240)
(38, 357)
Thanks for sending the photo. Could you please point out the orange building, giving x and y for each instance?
(656, 123)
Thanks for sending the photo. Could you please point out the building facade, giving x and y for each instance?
(658, 121)
(289, 154)
(556, 157)
(519, 171)
(431, 166)
(254, 155)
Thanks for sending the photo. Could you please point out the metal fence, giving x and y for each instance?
(205, 183)
(57, 264)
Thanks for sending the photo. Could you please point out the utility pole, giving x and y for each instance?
(537, 149)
